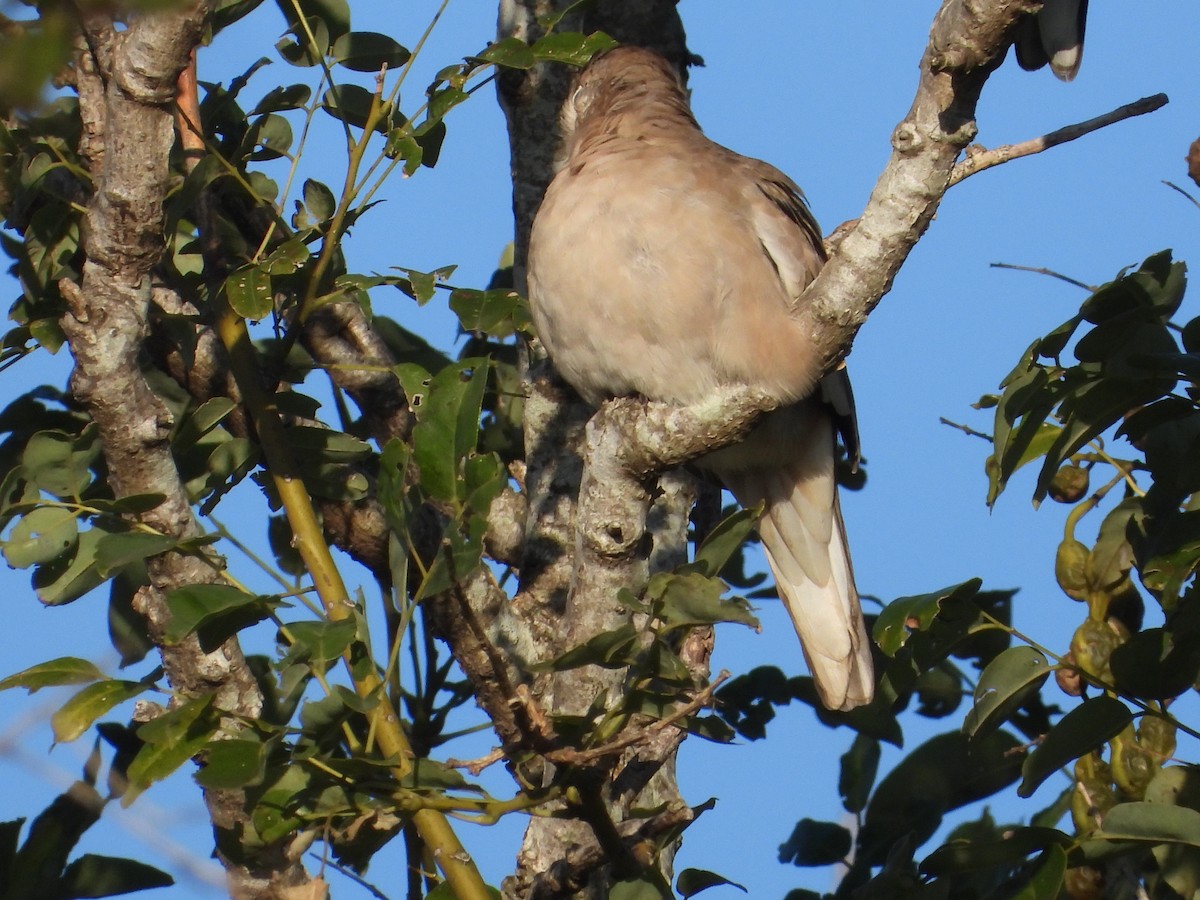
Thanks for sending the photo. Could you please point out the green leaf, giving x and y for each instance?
(41, 535)
(1013, 848)
(815, 843)
(685, 600)
(1047, 879)
(320, 641)
(571, 47)
(270, 137)
(1154, 823)
(37, 867)
(943, 774)
(368, 51)
(217, 608)
(115, 551)
(430, 775)
(58, 462)
(71, 575)
(448, 427)
(1080, 731)
(170, 741)
(1004, 685)
(10, 835)
(485, 311)
(352, 104)
(609, 649)
(249, 292)
(272, 817)
(292, 96)
(296, 48)
(107, 876)
(312, 443)
(233, 764)
(549, 21)
(859, 766)
(126, 626)
(77, 714)
(724, 541)
(203, 419)
(637, 889)
(333, 14)
(904, 616)
(291, 255)
(511, 52)
(1112, 557)
(1031, 443)
(319, 201)
(55, 672)
(1156, 664)
(692, 881)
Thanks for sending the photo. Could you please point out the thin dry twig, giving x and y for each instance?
(966, 429)
(978, 159)
(1039, 270)
(1173, 186)
(475, 766)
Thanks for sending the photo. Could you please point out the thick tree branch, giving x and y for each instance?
(126, 83)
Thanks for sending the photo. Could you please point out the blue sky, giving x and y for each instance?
(816, 89)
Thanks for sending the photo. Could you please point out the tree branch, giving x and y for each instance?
(126, 84)
(979, 159)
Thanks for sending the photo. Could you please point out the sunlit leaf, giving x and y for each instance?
(906, 615)
(41, 535)
(571, 47)
(54, 672)
(77, 714)
(250, 294)
(1154, 823)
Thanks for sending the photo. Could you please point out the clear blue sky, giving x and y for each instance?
(815, 89)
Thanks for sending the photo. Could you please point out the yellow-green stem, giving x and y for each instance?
(455, 863)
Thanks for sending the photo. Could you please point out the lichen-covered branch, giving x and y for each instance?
(126, 84)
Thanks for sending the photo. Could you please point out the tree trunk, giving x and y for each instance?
(571, 571)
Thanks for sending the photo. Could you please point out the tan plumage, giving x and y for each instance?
(663, 264)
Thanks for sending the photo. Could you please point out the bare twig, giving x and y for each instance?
(978, 159)
(1039, 270)
(1176, 187)
(966, 429)
(475, 766)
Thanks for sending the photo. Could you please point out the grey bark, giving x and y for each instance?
(126, 83)
(570, 576)
(630, 442)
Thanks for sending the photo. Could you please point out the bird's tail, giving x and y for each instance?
(805, 540)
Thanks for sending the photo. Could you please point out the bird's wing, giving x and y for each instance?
(786, 228)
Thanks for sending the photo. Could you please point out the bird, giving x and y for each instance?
(663, 265)
(1055, 36)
